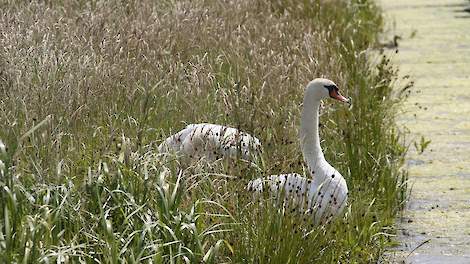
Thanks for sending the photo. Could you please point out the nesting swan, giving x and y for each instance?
(212, 142)
(324, 196)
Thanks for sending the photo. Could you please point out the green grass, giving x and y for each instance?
(89, 88)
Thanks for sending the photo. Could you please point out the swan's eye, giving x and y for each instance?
(331, 88)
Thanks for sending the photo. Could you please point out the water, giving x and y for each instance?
(435, 51)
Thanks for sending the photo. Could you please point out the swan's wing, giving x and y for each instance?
(340, 194)
(176, 141)
(173, 143)
(203, 140)
(276, 183)
(213, 141)
(290, 189)
(323, 200)
(331, 198)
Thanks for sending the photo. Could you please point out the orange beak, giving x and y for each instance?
(336, 95)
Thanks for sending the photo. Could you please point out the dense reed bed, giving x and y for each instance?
(89, 88)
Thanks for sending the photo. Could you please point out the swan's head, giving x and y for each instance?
(323, 88)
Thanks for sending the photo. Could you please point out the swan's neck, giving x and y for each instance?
(309, 137)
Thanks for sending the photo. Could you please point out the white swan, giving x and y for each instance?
(212, 142)
(325, 195)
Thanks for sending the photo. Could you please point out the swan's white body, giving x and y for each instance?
(212, 142)
(321, 199)
(3, 149)
(3, 152)
(325, 195)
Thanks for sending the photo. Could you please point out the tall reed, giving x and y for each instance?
(89, 88)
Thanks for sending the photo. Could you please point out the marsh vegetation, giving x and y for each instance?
(89, 89)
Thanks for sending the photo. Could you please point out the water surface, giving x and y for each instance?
(435, 51)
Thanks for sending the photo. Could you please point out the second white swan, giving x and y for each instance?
(212, 142)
